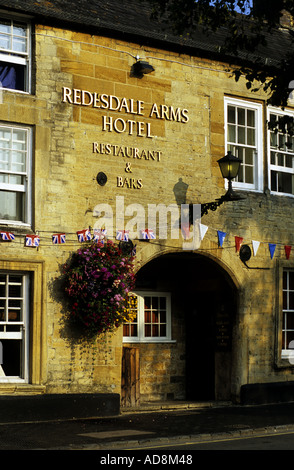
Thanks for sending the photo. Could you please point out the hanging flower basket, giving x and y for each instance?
(98, 282)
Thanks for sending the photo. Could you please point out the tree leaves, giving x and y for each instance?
(248, 26)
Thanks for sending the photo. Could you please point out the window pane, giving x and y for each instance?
(19, 40)
(249, 174)
(287, 337)
(11, 357)
(248, 156)
(291, 279)
(162, 330)
(154, 302)
(5, 34)
(126, 329)
(290, 321)
(250, 118)
(231, 133)
(147, 316)
(241, 116)
(162, 316)
(291, 301)
(163, 303)
(274, 140)
(155, 317)
(274, 185)
(148, 330)
(11, 205)
(155, 330)
(285, 300)
(241, 135)
(289, 161)
(5, 42)
(251, 136)
(134, 329)
(280, 161)
(231, 114)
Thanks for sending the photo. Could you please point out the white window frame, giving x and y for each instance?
(17, 57)
(288, 352)
(257, 185)
(23, 325)
(25, 188)
(141, 338)
(272, 167)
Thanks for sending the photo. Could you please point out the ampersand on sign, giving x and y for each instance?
(128, 168)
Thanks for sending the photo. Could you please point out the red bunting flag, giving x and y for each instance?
(238, 242)
(287, 251)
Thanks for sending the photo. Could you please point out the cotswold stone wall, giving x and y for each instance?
(89, 115)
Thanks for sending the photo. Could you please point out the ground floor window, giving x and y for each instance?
(288, 313)
(14, 326)
(152, 318)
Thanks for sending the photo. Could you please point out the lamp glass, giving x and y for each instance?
(229, 166)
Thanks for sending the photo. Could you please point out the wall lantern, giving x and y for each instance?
(140, 68)
(229, 167)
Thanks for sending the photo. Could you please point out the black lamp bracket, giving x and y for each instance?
(213, 205)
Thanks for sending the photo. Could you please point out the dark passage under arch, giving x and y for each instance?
(204, 303)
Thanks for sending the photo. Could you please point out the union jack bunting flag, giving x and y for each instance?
(58, 238)
(99, 234)
(84, 235)
(147, 234)
(32, 240)
(7, 236)
(122, 235)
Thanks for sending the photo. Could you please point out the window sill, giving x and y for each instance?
(247, 189)
(20, 389)
(17, 227)
(149, 341)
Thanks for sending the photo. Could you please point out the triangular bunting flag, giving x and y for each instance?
(203, 229)
(238, 242)
(287, 251)
(221, 237)
(255, 246)
(272, 247)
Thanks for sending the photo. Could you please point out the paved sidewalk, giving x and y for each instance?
(152, 423)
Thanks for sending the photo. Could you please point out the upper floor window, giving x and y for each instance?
(15, 174)
(281, 152)
(152, 322)
(243, 133)
(14, 55)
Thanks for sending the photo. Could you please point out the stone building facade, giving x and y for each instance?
(218, 324)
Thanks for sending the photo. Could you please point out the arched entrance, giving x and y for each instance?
(203, 312)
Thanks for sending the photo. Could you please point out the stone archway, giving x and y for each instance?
(204, 308)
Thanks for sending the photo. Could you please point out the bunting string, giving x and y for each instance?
(100, 235)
